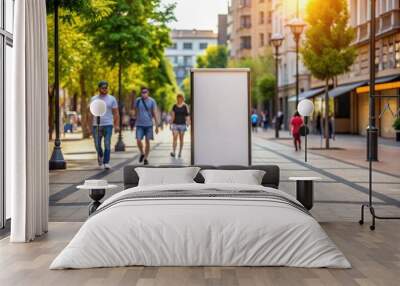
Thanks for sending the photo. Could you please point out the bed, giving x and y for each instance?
(197, 224)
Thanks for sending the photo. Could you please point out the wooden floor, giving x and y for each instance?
(375, 257)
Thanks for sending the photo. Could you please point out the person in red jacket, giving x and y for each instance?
(296, 122)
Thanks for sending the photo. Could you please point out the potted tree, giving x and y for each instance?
(396, 126)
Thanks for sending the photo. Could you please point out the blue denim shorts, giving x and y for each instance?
(179, 127)
(144, 131)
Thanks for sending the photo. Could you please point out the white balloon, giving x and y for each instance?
(98, 107)
(305, 107)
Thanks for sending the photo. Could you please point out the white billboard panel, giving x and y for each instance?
(220, 116)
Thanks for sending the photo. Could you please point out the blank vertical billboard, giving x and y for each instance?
(220, 105)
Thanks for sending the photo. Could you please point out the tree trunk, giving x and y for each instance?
(326, 114)
(74, 104)
(51, 111)
(86, 121)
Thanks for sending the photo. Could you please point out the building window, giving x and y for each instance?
(245, 21)
(187, 46)
(262, 17)
(269, 17)
(180, 72)
(262, 40)
(187, 61)
(173, 46)
(397, 54)
(342, 106)
(245, 3)
(203, 46)
(245, 42)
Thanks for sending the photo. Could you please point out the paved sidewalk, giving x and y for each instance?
(338, 196)
(350, 149)
(70, 204)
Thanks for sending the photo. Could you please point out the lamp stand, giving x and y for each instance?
(305, 138)
(98, 138)
(372, 131)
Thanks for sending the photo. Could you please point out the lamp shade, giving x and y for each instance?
(98, 107)
(305, 107)
(296, 26)
(277, 39)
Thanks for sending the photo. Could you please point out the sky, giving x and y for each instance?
(198, 14)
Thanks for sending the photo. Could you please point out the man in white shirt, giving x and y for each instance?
(107, 122)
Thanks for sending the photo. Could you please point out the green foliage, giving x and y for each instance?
(266, 86)
(77, 56)
(138, 35)
(327, 51)
(90, 9)
(396, 123)
(134, 32)
(160, 78)
(260, 67)
(214, 57)
(186, 88)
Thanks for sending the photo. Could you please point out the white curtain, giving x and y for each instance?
(26, 128)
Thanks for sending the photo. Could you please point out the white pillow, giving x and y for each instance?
(166, 176)
(248, 177)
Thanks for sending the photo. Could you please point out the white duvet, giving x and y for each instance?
(202, 232)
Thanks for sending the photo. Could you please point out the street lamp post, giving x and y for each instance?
(57, 161)
(372, 131)
(120, 145)
(297, 26)
(276, 41)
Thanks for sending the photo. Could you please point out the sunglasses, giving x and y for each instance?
(104, 87)
(145, 91)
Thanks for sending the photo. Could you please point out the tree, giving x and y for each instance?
(214, 57)
(259, 67)
(90, 9)
(160, 78)
(135, 32)
(266, 86)
(327, 51)
(186, 88)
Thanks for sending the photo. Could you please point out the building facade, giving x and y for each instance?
(350, 100)
(349, 94)
(283, 11)
(249, 27)
(222, 29)
(186, 46)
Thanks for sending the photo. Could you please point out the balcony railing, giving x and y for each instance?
(386, 22)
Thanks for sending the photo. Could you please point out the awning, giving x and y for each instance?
(382, 83)
(386, 79)
(346, 88)
(308, 93)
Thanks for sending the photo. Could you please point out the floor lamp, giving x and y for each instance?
(305, 108)
(98, 108)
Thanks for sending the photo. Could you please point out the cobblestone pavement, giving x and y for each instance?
(344, 184)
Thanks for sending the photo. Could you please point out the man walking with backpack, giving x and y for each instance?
(146, 110)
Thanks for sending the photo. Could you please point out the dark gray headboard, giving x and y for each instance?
(271, 177)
